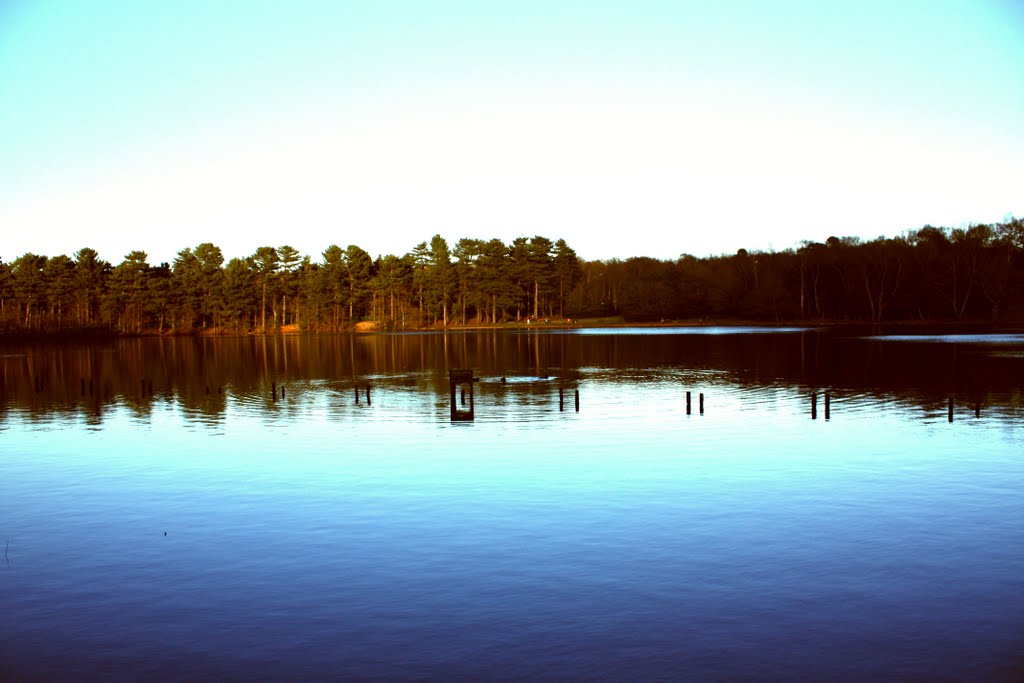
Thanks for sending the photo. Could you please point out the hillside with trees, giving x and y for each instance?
(931, 274)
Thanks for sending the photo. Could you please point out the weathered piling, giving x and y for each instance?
(577, 400)
(701, 405)
(282, 391)
(828, 405)
(356, 389)
(464, 378)
(368, 395)
(814, 405)
(687, 402)
(977, 409)
(207, 389)
(273, 390)
(949, 412)
(463, 395)
(561, 399)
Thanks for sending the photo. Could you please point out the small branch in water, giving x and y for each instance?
(6, 558)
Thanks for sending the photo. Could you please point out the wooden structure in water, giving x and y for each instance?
(461, 378)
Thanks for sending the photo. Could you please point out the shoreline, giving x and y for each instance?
(370, 327)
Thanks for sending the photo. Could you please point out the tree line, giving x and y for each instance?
(479, 281)
(931, 274)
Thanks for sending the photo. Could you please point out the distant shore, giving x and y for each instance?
(538, 324)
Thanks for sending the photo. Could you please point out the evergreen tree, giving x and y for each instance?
(240, 294)
(493, 268)
(441, 279)
(211, 273)
(125, 299)
(290, 261)
(469, 293)
(420, 259)
(358, 271)
(540, 264)
(91, 274)
(159, 295)
(188, 287)
(334, 283)
(264, 263)
(59, 274)
(567, 272)
(28, 287)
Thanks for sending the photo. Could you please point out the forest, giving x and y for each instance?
(932, 274)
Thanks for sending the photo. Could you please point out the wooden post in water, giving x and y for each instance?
(368, 395)
(561, 399)
(814, 405)
(273, 390)
(687, 402)
(356, 389)
(977, 409)
(282, 392)
(701, 398)
(950, 410)
(577, 400)
(828, 406)
(463, 396)
(456, 378)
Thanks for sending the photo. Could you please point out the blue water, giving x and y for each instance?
(313, 538)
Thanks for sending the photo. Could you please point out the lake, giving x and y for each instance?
(247, 509)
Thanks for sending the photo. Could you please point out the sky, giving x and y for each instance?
(633, 128)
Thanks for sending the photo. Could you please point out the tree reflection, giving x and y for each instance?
(200, 374)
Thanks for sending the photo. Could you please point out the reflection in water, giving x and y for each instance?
(167, 515)
(203, 375)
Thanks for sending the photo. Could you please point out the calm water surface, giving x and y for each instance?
(165, 517)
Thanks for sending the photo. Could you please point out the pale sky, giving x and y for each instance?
(631, 128)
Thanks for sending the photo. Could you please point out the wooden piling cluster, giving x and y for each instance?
(700, 403)
(355, 390)
(561, 399)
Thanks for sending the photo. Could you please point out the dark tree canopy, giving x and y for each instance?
(931, 274)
